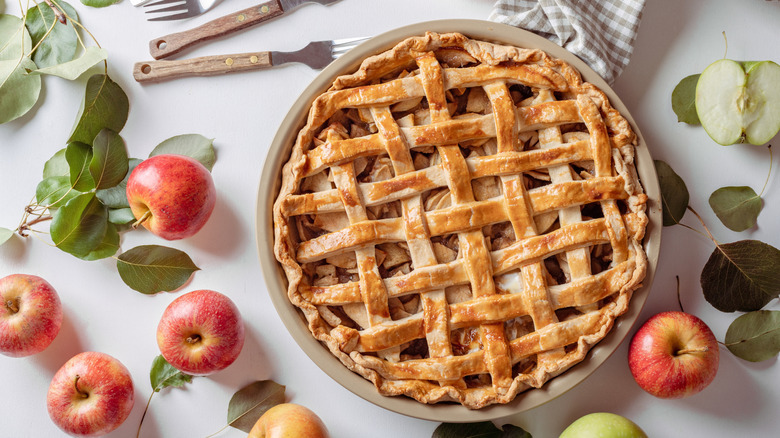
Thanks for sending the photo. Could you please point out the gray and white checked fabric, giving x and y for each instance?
(600, 32)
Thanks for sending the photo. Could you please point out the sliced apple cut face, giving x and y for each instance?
(734, 105)
(763, 87)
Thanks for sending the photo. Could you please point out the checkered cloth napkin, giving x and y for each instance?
(600, 32)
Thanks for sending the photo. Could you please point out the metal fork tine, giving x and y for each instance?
(174, 8)
(174, 16)
(162, 2)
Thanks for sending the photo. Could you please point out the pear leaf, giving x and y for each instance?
(120, 216)
(150, 269)
(61, 43)
(484, 429)
(755, 336)
(741, 276)
(684, 100)
(5, 235)
(192, 145)
(57, 165)
(79, 155)
(107, 247)
(105, 105)
(736, 207)
(674, 193)
(116, 197)
(55, 191)
(79, 226)
(108, 165)
(71, 70)
(250, 402)
(163, 375)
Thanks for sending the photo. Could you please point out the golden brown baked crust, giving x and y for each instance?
(461, 220)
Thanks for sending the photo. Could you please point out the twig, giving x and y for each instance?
(57, 12)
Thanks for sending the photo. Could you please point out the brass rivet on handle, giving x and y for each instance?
(229, 61)
(241, 18)
(264, 9)
(253, 59)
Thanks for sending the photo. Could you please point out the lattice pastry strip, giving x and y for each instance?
(443, 168)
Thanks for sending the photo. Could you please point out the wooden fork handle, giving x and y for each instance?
(154, 71)
(174, 43)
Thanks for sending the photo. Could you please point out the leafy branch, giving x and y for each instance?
(738, 276)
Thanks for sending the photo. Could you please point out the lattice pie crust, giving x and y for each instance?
(460, 220)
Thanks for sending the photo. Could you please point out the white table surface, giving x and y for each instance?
(241, 112)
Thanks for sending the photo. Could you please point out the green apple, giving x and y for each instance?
(603, 425)
(739, 101)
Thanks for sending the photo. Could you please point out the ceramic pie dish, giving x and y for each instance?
(458, 221)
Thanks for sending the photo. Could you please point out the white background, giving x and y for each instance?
(241, 112)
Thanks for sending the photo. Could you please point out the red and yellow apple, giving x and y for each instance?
(673, 355)
(289, 420)
(30, 315)
(91, 395)
(201, 332)
(171, 195)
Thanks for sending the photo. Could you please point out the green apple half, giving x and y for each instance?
(739, 101)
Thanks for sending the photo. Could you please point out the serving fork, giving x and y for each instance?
(168, 45)
(317, 55)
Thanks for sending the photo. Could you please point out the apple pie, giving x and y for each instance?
(461, 220)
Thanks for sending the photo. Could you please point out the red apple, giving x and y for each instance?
(30, 315)
(288, 420)
(201, 332)
(171, 195)
(91, 395)
(673, 355)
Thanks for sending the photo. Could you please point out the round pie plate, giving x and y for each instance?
(277, 283)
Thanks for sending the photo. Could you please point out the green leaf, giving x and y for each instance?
(116, 197)
(55, 191)
(109, 159)
(192, 145)
(741, 276)
(684, 100)
(5, 234)
(71, 70)
(18, 90)
(736, 207)
(163, 375)
(120, 216)
(250, 402)
(99, 3)
(57, 165)
(674, 193)
(105, 105)
(79, 155)
(15, 41)
(485, 429)
(150, 269)
(61, 44)
(755, 336)
(79, 226)
(108, 247)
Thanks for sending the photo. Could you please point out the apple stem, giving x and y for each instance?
(193, 339)
(692, 350)
(12, 305)
(76, 384)
(142, 219)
